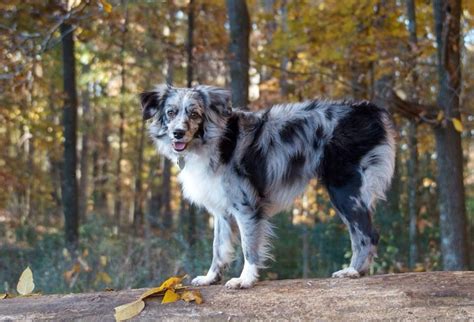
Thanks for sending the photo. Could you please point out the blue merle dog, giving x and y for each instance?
(244, 167)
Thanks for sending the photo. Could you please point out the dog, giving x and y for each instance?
(244, 167)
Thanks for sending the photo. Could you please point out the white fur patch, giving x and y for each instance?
(247, 279)
(349, 272)
(205, 280)
(200, 186)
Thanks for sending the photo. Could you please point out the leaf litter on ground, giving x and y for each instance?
(172, 290)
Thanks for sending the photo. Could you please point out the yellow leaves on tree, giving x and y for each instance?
(170, 290)
(458, 125)
(26, 284)
(107, 6)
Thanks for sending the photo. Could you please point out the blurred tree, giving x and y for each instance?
(239, 22)
(412, 162)
(448, 140)
(69, 181)
(118, 173)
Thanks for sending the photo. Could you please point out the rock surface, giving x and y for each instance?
(426, 296)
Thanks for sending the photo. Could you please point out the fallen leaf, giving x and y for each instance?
(172, 282)
(103, 260)
(129, 310)
(170, 297)
(189, 296)
(25, 283)
(458, 125)
(3, 296)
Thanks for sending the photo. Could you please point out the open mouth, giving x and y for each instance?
(179, 146)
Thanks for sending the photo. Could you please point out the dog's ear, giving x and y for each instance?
(216, 98)
(154, 100)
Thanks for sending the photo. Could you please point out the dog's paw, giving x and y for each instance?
(349, 272)
(237, 282)
(203, 280)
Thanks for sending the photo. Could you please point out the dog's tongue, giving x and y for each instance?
(179, 146)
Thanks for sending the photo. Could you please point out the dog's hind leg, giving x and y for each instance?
(350, 205)
(222, 253)
(255, 233)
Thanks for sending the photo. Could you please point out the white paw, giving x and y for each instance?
(203, 280)
(349, 272)
(237, 282)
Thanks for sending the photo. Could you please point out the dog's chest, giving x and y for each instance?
(202, 186)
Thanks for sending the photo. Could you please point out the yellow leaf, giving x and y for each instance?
(171, 282)
(106, 278)
(68, 275)
(107, 6)
(25, 284)
(440, 116)
(154, 291)
(458, 125)
(189, 296)
(103, 260)
(3, 296)
(129, 310)
(170, 297)
(103, 277)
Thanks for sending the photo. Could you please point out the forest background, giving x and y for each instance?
(88, 204)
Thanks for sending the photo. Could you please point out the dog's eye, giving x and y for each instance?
(194, 115)
(171, 114)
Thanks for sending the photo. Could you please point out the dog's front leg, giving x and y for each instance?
(254, 233)
(222, 253)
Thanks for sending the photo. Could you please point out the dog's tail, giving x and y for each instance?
(379, 165)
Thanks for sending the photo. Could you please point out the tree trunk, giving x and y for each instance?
(101, 156)
(84, 164)
(412, 141)
(118, 173)
(69, 180)
(284, 91)
(412, 187)
(165, 204)
(239, 21)
(191, 236)
(190, 45)
(448, 141)
(138, 197)
(433, 296)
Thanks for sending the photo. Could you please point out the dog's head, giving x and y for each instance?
(180, 114)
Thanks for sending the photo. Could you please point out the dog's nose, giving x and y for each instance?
(178, 134)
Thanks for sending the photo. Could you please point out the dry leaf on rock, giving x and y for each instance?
(25, 283)
(170, 297)
(167, 289)
(3, 296)
(172, 282)
(129, 310)
(189, 296)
